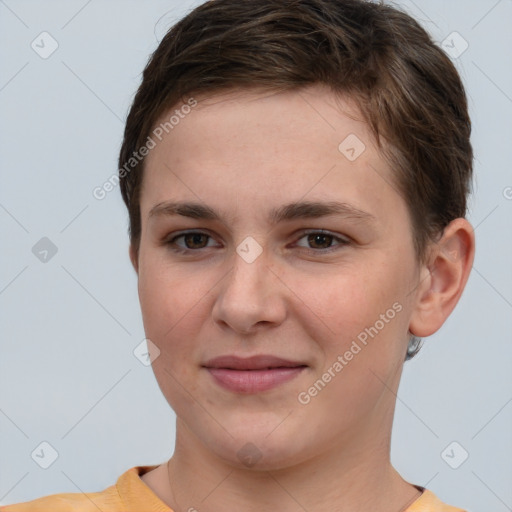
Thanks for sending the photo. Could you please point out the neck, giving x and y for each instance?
(345, 478)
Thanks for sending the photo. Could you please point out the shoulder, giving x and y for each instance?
(69, 502)
(112, 499)
(429, 502)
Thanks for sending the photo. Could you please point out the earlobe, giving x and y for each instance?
(444, 278)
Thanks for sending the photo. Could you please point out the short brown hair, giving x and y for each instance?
(406, 87)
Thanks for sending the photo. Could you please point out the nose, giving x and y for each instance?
(251, 297)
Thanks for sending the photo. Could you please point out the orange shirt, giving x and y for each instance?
(131, 494)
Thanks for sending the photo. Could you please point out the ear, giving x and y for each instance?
(134, 258)
(443, 278)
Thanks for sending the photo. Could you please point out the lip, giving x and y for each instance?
(254, 374)
(259, 362)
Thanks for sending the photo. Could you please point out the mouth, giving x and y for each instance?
(254, 374)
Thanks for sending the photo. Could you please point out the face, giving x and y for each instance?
(271, 227)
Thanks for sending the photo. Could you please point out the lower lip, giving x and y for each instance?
(253, 381)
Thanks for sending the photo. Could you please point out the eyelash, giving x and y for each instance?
(340, 241)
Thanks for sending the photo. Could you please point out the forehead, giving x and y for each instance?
(244, 147)
(305, 112)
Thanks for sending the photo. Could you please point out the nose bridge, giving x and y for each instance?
(248, 295)
(248, 279)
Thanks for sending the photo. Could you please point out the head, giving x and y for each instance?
(263, 117)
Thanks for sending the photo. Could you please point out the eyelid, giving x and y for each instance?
(342, 240)
(170, 239)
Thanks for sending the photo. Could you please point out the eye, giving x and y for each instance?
(321, 240)
(191, 240)
(315, 240)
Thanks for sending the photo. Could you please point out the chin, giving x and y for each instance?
(256, 450)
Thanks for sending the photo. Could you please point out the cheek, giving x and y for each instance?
(171, 303)
(346, 300)
(365, 343)
(364, 320)
(173, 309)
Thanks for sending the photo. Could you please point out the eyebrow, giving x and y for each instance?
(288, 212)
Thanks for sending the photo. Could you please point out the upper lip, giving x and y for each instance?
(259, 362)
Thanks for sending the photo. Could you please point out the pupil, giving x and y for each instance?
(320, 240)
(194, 239)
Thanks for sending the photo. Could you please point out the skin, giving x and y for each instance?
(244, 153)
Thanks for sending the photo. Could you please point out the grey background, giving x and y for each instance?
(68, 374)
